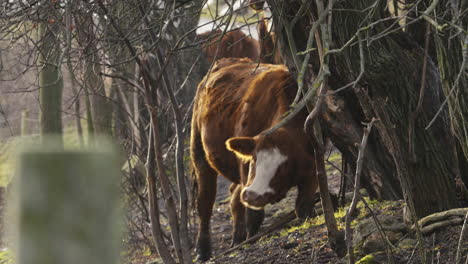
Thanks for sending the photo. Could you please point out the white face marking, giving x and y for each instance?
(268, 162)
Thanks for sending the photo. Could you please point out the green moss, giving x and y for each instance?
(369, 259)
(309, 223)
(383, 206)
(298, 228)
(268, 240)
(340, 214)
(147, 251)
(334, 158)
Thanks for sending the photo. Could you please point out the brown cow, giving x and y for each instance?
(269, 50)
(233, 44)
(234, 104)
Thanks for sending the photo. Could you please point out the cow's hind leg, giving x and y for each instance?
(254, 221)
(205, 199)
(206, 178)
(238, 215)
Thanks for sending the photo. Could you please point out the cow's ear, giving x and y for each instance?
(243, 147)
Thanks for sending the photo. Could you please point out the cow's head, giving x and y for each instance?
(276, 162)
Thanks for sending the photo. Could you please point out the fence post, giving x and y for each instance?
(67, 207)
(24, 122)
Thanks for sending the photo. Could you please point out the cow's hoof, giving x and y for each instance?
(254, 221)
(305, 211)
(203, 250)
(305, 206)
(237, 241)
(203, 256)
(238, 235)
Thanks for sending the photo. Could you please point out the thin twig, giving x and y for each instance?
(357, 181)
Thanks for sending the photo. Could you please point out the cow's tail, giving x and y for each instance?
(195, 145)
(193, 191)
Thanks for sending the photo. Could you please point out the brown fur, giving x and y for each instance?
(240, 99)
(234, 44)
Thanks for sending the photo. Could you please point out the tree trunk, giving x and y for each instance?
(389, 91)
(50, 78)
(100, 105)
(451, 47)
(123, 68)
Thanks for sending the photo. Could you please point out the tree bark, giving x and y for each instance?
(50, 78)
(387, 90)
(451, 46)
(73, 83)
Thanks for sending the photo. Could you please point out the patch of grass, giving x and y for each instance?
(7, 154)
(71, 139)
(6, 256)
(8, 149)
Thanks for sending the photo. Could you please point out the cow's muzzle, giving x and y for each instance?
(253, 200)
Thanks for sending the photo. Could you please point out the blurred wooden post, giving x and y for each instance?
(68, 208)
(24, 122)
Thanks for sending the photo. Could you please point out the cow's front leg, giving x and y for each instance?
(254, 221)
(238, 215)
(306, 199)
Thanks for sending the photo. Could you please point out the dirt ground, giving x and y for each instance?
(309, 245)
(299, 242)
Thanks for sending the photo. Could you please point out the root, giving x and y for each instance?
(435, 221)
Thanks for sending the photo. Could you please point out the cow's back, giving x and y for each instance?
(238, 98)
(232, 44)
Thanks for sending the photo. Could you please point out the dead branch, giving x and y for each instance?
(357, 181)
(153, 205)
